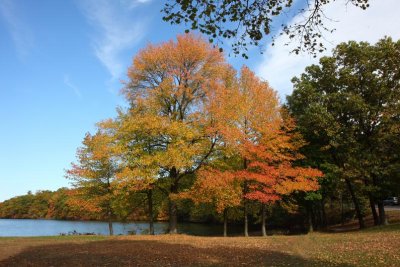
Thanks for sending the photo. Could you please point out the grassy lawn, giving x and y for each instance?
(378, 246)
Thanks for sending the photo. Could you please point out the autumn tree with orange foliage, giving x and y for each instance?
(168, 88)
(93, 176)
(254, 129)
(191, 116)
(218, 188)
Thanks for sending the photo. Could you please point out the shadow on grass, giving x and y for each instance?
(369, 229)
(151, 253)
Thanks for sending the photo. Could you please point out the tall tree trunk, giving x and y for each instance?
(356, 204)
(382, 215)
(173, 212)
(110, 225)
(263, 219)
(310, 219)
(246, 223)
(109, 209)
(173, 217)
(317, 216)
(341, 209)
(225, 222)
(150, 215)
(173, 220)
(245, 190)
(324, 220)
(381, 207)
(372, 201)
(373, 210)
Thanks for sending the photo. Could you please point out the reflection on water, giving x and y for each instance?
(27, 227)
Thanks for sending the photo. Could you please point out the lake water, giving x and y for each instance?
(27, 227)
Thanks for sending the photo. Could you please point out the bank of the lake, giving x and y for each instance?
(39, 227)
(377, 246)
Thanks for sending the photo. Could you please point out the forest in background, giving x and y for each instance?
(283, 216)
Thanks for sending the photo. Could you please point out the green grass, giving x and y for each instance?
(383, 228)
(61, 238)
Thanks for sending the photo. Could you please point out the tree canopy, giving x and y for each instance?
(93, 176)
(189, 113)
(246, 23)
(347, 107)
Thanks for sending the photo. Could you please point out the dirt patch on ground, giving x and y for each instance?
(393, 217)
(151, 251)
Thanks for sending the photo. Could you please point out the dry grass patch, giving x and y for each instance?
(373, 247)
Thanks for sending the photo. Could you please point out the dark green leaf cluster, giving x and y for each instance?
(348, 109)
(248, 22)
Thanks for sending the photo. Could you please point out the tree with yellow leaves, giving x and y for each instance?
(93, 176)
(168, 89)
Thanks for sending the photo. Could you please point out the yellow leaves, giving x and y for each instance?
(154, 140)
(94, 172)
(136, 179)
(167, 124)
(189, 108)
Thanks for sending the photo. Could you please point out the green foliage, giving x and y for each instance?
(347, 108)
(246, 23)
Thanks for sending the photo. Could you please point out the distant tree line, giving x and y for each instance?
(41, 205)
(59, 204)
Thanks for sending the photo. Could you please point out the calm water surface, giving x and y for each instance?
(26, 227)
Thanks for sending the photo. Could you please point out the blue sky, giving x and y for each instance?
(62, 62)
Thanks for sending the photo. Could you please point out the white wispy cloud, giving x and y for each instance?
(133, 3)
(72, 86)
(381, 19)
(117, 27)
(20, 32)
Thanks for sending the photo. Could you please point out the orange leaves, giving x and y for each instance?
(245, 110)
(213, 186)
(263, 195)
(174, 76)
(93, 174)
(298, 179)
(79, 202)
(251, 125)
(188, 109)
